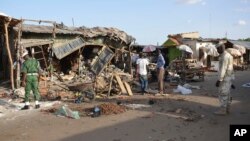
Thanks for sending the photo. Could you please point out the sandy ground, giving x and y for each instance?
(173, 118)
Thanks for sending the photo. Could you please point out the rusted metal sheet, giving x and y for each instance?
(113, 33)
(35, 42)
(48, 29)
(63, 50)
(104, 57)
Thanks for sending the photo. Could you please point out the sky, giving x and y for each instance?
(149, 21)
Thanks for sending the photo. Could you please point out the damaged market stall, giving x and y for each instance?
(241, 61)
(71, 53)
(42, 39)
(93, 61)
(9, 42)
(117, 40)
(185, 69)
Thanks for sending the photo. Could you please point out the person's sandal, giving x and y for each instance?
(37, 106)
(26, 107)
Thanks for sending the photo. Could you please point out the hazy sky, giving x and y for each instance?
(149, 21)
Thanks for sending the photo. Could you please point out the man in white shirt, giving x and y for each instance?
(142, 64)
(226, 76)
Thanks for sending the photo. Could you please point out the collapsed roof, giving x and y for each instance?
(4, 18)
(111, 32)
(47, 29)
(95, 32)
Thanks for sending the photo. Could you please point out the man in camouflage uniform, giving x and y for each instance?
(226, 75)
(30, 70)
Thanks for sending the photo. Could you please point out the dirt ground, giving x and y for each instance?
(170, 118)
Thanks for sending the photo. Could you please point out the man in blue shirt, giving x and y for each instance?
(160, 72)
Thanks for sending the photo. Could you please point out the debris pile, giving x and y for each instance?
(185, 114)
(110, 108)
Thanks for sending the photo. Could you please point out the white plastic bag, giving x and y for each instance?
(183, 90)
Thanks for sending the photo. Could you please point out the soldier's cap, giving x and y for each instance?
(25, 52)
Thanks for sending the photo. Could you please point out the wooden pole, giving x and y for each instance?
(54, 31)
(6, 24)
(130, 61)
(39, 21)
(18, 80)
(110, 85)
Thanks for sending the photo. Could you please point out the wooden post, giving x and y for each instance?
(130, 61)
(110, 85)
(54, 31)
(18, 80)
(6, 24)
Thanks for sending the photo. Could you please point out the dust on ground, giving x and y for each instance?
(174, 117)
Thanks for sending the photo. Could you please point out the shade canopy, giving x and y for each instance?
(185, 48)
(242, 49)
(234, 52)
(211, 50)
(149, 48)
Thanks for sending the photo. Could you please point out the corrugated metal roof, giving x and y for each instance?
(13, 21)
(47, 29)
(34, 42)
(63, 50)
(112, 33)
(246, 44)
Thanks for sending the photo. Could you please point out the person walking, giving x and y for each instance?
(160, 72)
(224, 83)
(142, 72)
(31, 71)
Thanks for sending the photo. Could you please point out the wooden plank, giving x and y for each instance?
(110, 85)
(123, 89)
(128, 88)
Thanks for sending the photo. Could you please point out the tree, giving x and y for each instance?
(247, 39)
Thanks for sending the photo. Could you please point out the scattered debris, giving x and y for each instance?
(247, 85)
(20, 92)
(185, 114)
(96, 112)
(67, 112)
(111, 108)
(137, 106)
(1, 114)
(151, 101)
(182, 90)
(51, 110)
(188, 86)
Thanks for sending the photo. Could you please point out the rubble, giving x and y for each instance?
(137, 106)
(182, 90)
(67, 112)
(184, 113)
(110, 108)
